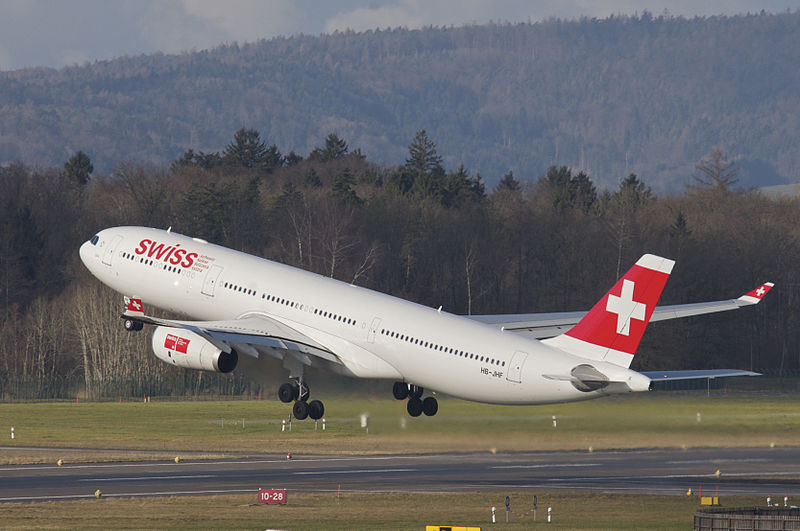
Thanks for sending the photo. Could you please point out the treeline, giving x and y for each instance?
(420, 230)
(646, 94)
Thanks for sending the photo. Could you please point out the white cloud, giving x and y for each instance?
(166, 26)
(413, 14)
(199, 24)
(247, 20)
(419, 13)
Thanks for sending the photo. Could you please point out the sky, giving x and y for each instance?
(56, 33)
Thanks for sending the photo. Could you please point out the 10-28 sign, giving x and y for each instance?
(272, 496)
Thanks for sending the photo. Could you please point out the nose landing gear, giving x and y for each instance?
(416, 406)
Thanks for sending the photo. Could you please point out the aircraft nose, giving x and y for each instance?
(88, 252)
(84, 253)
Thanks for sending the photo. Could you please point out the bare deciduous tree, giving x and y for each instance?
(715, 171)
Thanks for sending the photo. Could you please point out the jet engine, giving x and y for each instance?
(184, 348)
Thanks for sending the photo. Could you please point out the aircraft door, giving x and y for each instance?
(211, 280)
(109, 252)
(373, 329)
(515, 367)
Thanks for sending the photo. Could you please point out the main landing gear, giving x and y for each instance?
(299, 392)
(132, 325)
(416, 406)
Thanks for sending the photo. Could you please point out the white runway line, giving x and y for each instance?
(218, 462)
(554, 465)
(365, 471)
(148, 478)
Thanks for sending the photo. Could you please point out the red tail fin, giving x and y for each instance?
(133, 307)
(613, 328)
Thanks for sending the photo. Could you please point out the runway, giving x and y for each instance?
(743, 471)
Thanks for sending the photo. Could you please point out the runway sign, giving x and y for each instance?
(450, 528)
(272, 496)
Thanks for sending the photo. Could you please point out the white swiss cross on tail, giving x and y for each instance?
(133, 306)
(625, 308)
(612, 329)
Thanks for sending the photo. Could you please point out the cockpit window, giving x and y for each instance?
(95, 239)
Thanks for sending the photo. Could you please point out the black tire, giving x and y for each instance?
(430, 406)
(316, 409)
(414, 407)
(400, 390)
(132, 326)
(300, 410)
(415, 391)
(287, 392)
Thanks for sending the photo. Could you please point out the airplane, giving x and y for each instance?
(253, 307)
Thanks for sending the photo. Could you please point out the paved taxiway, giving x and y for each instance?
(758, 471)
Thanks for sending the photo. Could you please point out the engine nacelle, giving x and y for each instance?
(184, 348)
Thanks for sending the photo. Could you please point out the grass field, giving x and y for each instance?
(159, 430)
(364, 511)
(165, 429)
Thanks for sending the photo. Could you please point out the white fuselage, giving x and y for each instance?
(375, 335)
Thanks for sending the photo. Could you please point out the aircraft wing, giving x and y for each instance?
(544, 325)
(240, 334)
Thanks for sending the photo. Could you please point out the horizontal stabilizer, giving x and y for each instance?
(661, 376)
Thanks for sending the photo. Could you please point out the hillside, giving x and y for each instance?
(649, 95)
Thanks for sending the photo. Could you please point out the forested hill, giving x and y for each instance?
(648, 95)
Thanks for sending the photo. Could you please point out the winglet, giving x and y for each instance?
(755, 296)
(133, 307)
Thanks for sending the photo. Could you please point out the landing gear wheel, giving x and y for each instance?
(430, 406)
(415, 391)
(132, 326)
(300, 410)
(287, 392)
(414, 407)
(400, 390)
(316, 409)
